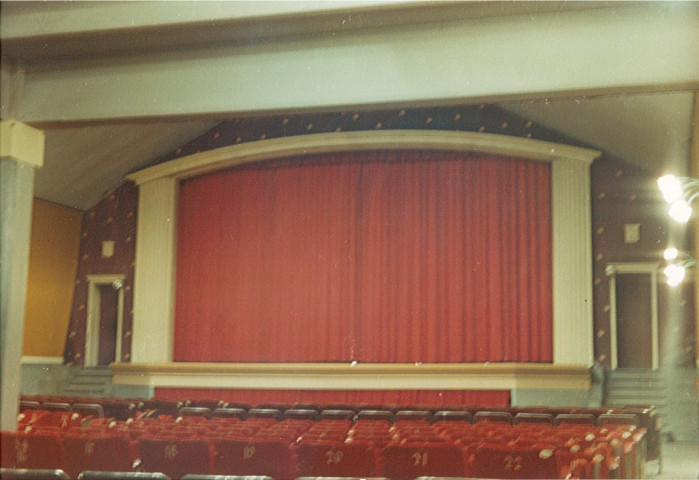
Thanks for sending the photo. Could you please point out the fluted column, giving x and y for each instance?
(153, 325)
(572, 262)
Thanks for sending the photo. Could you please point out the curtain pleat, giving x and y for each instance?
(374, 257)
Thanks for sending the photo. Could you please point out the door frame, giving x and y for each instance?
(633, 268)
(92, 333)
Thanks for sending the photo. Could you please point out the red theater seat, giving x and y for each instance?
(194, 412)
(89, 409)
(271, 458)
(33, 450)
(526, 418)
(56, 406)
(23, 474)
(504, 462)
(492, 417)
(337, 414)
(29, 405)
(336, 459)
(98, 452)
(617, 419)
(406, 462)
(386, 415)
(574, 418)
(411, 415)
(228, 412)
(175, 457)
(452, 415)
(301, 414)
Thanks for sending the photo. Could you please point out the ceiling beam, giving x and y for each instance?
(38, 31)
(635, 48)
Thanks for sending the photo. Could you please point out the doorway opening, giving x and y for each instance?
(105, 314)
(633, 301)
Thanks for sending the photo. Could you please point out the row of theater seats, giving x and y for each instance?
(285, 448)
(124, 408)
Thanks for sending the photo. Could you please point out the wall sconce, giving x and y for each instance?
(679, 193)
(678, 263)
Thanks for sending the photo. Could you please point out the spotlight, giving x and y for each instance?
(670, 253)
(678, 263)
(679, 192)
(671, 188)
(680, 211)
(675, 274)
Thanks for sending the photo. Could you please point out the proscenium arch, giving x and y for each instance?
(154, 293)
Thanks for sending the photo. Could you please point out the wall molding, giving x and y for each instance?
(354, 376)
(154, 287)
(39, 360)
(441, 140)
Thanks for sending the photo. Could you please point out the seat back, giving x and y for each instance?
(38, 451)
(409, 461)
(265, 413)
(173, 457)
(23, 474)
(96, 475)
(425, 415)
(226, 477)
(194, 412)
(337, 414)
(229, 412)
(574, 418)
(8, 454)
(271, 458)
(29, 405)
(374, 415)
(452, 415)
(89, 409)
(524, 417)
(301, 414)
(98, 452)
(492, 417)
(335, 459)
(504, 462)
(56, 406)
(617, 419)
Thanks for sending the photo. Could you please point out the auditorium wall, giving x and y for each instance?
(53, 260)
(97, 225)
(620, 194)
(625, 195)
(113, 219)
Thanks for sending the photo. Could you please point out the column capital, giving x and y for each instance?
(21, 142)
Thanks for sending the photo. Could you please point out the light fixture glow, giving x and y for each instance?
(680, 211)
(675, 274)
(670, 253)
(671, 188)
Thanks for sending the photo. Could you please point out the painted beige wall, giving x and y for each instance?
(53, 257)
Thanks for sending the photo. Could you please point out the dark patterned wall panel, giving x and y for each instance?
(623, 194)
(112, 219)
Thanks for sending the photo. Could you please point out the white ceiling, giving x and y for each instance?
(652, 131)
(82, 164)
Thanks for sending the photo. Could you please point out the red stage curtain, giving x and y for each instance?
(492, 398)
(374, 257)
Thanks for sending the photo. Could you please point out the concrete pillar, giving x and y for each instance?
(21, 151)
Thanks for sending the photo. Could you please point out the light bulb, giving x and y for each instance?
(671, 188)
(675, 274)
(680, 211)
(670, 253)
